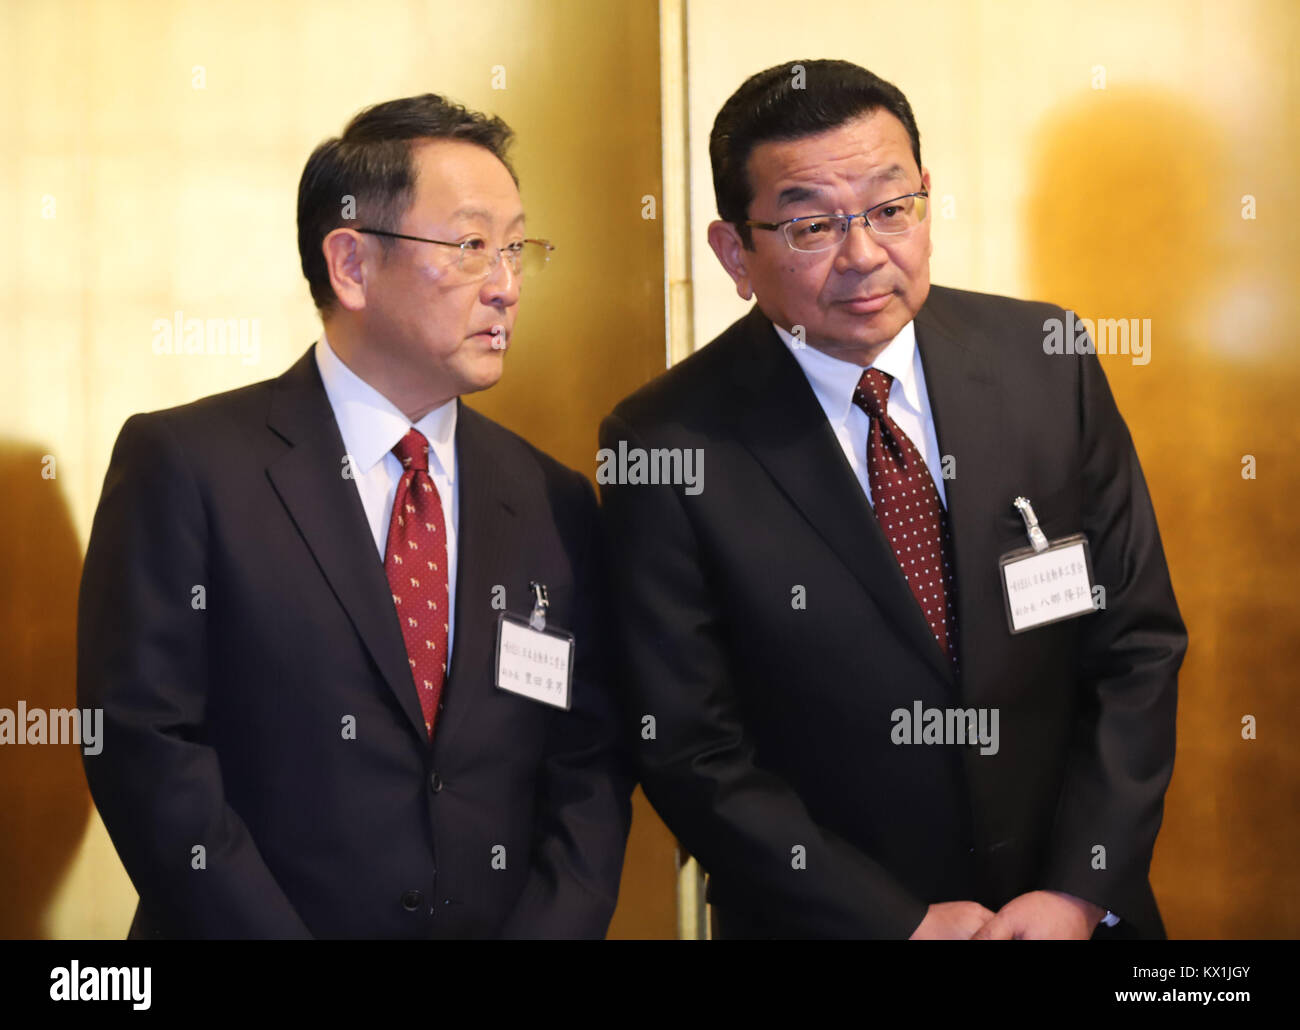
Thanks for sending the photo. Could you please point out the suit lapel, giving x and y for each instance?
(970, 426)
(486, 540)
(327, 509)
(787, 431)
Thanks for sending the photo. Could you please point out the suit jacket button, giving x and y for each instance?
(411, 900)
(435, 782)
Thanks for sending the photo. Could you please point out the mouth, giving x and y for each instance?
(867, 304)
(496, 336)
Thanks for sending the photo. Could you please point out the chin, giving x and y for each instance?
(486, 374)
(872, 333)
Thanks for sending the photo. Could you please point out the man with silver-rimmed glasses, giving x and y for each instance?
(346, 631)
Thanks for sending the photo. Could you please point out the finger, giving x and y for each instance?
(996, 929)
(976, 920)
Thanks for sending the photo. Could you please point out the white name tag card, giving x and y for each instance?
(536, 664)
(1048, 585)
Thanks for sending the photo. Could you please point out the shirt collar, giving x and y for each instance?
(371, 425)
(833, 380)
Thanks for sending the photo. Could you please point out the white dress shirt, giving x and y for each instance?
(834, 380)
(371, 426)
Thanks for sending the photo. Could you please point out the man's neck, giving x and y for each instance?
(365, 362)
(862, 356)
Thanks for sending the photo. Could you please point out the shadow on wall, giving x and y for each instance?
(1139, 208)
(46, 803)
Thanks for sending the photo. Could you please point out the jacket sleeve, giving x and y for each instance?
(1122, 753)
(748, 828)
(143, 658)
(584, 798)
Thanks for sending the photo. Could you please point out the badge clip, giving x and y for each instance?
(537, 620)
(1036, 536)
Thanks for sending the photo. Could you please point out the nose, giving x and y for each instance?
(501, 287)
(861, 251)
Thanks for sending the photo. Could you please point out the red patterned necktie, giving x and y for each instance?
(416, 563)
(909, 511)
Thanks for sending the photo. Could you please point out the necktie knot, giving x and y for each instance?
(872, 393)
(412, 451)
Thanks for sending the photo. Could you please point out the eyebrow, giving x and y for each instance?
(484, 215)
(888, 174)
(797, 194)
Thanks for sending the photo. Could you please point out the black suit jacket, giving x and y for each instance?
(225, 724)
(772, 722)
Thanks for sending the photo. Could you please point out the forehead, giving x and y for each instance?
(455, 178)
(871, 148)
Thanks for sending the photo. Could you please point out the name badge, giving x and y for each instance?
(535, 660)
(1049, 581)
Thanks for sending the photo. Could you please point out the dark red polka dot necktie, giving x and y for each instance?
(909, 511)
(415, 560)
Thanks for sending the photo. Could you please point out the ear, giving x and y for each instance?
(346, 259)
(726, 243)
(925, 185)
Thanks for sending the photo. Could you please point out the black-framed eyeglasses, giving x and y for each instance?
(811, 233)
(477, 259)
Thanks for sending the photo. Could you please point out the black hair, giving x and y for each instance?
(786, 102)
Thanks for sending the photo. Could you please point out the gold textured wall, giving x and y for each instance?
(152, 151)
(151, 160)
(1130, 159)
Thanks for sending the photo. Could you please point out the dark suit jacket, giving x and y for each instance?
(772, 722)
(224, 724)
